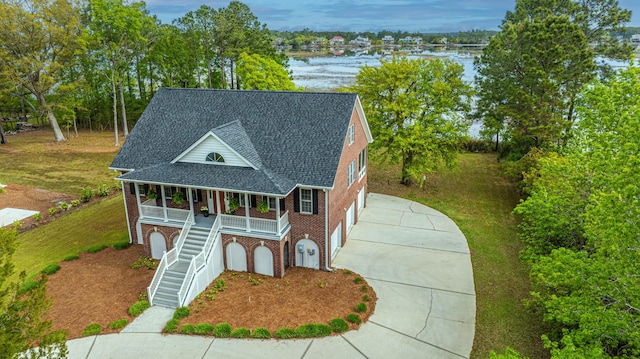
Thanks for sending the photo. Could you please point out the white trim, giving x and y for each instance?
(326, 231)
(126, 212)
(363, 119)
(310, 201)
(352, 172)
(351, 134)
(205, 137)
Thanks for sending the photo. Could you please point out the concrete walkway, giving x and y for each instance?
(415, 258)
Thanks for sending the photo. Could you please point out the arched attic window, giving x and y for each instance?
(215, 157)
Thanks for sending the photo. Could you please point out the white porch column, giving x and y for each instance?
(247, 207)
(135, 185)
(278, 215)
(164, 204)
(218, 202)
(190, 197)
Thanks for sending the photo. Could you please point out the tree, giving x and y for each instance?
(256, 72)
(22, 315)
(417, 112)
(38, 38)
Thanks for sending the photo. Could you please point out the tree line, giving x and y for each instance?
(98, 63)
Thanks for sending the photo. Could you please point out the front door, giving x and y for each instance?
(211, 202)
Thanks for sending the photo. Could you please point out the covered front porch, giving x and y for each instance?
(240, 213)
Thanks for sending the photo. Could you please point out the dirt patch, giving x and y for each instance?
(100, 288)
(35, 199)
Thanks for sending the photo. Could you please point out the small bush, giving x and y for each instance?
(103, 190)
(28, 286)
(354, 318)
(364, 288)
(181, 312)
(261, 333)
(1, 190)
(366, 298)
(284, 333)
(118, 324)
(139, 307)
(86, 194)
(37, 217)
(172, 326)
(203, 329)
(222, 330)
(361, 307)
(339, 325)
(241, 333)
(70, 257)
(357, 280)
(50, 269)
(144, 261)
(347, 272)
(121, 245)
(63, 205)
(52, 211)
(96, 248)
(92, 329)
(188, 329)
(75, 203)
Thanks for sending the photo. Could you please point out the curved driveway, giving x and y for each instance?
(415, 258)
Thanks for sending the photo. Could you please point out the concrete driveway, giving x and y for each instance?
(415, 258)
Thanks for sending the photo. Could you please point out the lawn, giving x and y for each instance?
(480, 201)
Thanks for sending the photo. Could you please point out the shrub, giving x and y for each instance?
(203, 329)
(172, 326)
(1, 190)
(75, 203)
(188, 329)
(241, 333)
(92, 329)
(222, 330)
(86, 194)
(354, 318)
(118, 324)
(181, 312)
(70, 257)
(103, 190)
(52, 211)
(50, 269)
(357, 280)
(28, 286)
(366, 298)
(284, 333)
(96, 248)
(261, 333)
(339, 325)
(37, 217)
(63, 205)
(139, 307)
(121, 245)
(347, 272)
(361, 307)
(364, 288)
(144, 261)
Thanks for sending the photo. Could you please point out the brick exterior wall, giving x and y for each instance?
(250, 244)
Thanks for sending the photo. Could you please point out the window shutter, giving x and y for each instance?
(315, 201)
(282, 201)
(132, 188)
(159, 190)
(254, 203)
(296, 200)
(146, 188)
(199, 195)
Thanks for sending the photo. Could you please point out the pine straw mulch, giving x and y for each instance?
(100, 287)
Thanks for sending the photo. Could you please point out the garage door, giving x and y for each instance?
(336, 239)
(361, 200)
(263, 261)
(236, 257)
(351, 216)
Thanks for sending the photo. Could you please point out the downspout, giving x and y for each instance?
(126, 212)
(326, 230)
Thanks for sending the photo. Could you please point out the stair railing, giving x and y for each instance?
(155, 282)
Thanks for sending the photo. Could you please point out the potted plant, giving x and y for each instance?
(151, 194)
(205, 210)
(234, 203)
(263, 206)
(178, 198)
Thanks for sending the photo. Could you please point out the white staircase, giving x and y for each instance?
(187, 269)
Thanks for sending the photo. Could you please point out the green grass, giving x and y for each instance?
(480, 200)
(100, 223)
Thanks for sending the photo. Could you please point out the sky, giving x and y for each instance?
(367, 15)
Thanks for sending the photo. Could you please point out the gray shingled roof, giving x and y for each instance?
(292, 137)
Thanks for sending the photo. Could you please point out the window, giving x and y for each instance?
(215, 157)
(271, 201)
(352, 134)
(362, 162)
(142, 189)
(306, 201)
(352, 173)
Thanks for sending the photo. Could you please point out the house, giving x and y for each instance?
(336, 41)
(282, 174)
(388, 40)
(361, 41)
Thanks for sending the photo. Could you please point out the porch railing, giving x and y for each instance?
(150, 210)
(255, 224)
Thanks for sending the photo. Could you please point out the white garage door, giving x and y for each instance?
(263, 261)
(336, 239)
(158, 245)
(351, 217)
(236, 257)
(361, 200)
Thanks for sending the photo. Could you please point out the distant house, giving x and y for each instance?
(388, 40)
(635, 40)
(360, 41)
(336, 41)
(253, 181)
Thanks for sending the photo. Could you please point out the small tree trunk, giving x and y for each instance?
(58, 136)
(2, 139)
(115, 105)
(125, 128)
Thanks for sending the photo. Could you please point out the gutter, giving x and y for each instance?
(326, 231)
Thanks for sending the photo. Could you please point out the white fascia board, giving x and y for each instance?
(202, 139)
(363, 119)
